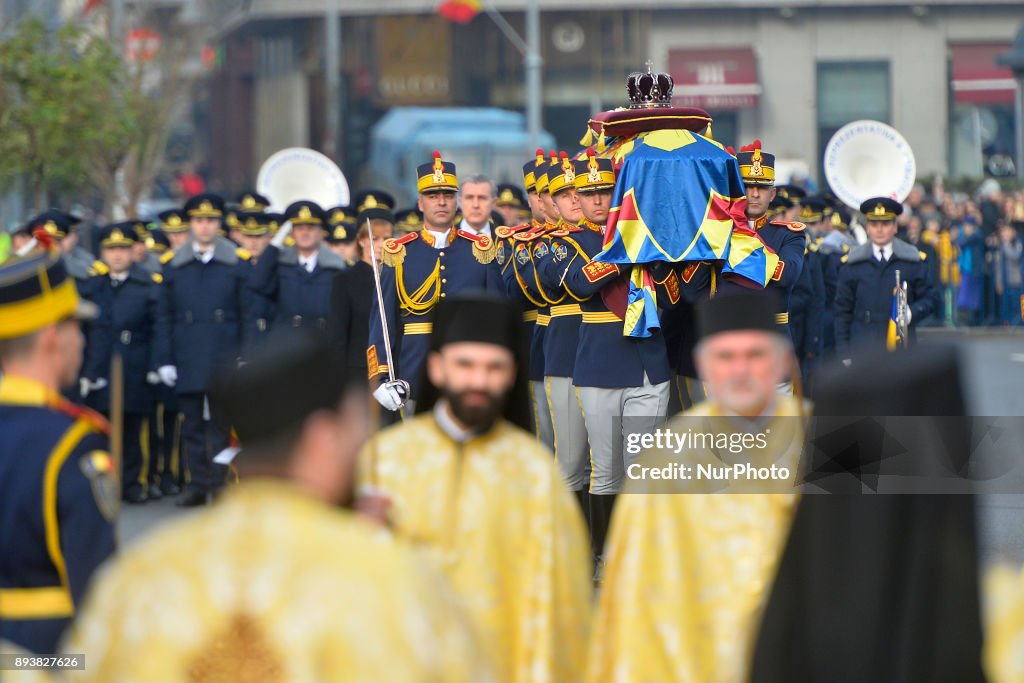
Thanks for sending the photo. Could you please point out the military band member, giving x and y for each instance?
(419, 270)
(509, 203)
(128, 297)
(622, 382)
(297, 280)
(867, 281)
(353, 290)
(515, 259)
(204, 303)
(341, 236)
(58, 483)
(477, 194)
(784, 238)
(254, 236)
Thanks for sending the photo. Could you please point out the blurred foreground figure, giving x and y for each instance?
(276, 582)
(770, 587)
(484, 500)
(58, 484)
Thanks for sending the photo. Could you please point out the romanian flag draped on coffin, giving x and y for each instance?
(679, 197)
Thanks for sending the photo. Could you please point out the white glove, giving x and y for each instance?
(282, 235)
(152, 377)
(910, 316)
(168, 374)
(99, 384)
(83, 387)
(393, 395)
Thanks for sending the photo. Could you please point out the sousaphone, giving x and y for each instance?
(867, 159)
(298, 173)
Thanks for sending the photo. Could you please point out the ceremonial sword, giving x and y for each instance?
(380, 305)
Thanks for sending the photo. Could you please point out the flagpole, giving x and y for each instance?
(532, 62)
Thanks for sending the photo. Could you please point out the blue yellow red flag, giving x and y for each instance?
(641, 319)
(892, 335)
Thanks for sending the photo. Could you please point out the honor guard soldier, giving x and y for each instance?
(519, 278)
(297, 280)
(562, 335)
(622, 382)
(128, 298)
(784, 238)
(807, 310)
(420, 269)
(60, 226)
(509, 203)
(58, 481)
(341, 234)
(204, 303)
(864, 307)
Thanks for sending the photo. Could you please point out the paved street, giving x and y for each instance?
(994, 380)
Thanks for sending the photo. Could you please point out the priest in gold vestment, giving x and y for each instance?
(688, 568)
(484, 502)
(277, 582)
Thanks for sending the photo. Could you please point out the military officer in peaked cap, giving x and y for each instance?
(420, 269)
(250, 202)
(297, 280)
(60, 226)
(175, 224)
(867, 283)
(58, 481)
(128, 298)
(509, 202)
(203, 301)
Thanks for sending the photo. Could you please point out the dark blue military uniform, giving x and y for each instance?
(299, 298)
(58, 483)
(807, 311)
(414, 277)
(787, 241)
(204, 304)
(864, 295)
(131, 307)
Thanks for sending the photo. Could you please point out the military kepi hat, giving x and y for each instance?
(36, 291)
(881, 209)
(561, 175)
(438, 175)
(753, 310)
(205, 206)
(54, 222)
(593, 174)
(374, 205)
(305, 212)
(173, 221)
(756, 166)
(531, 169)
(121, 234)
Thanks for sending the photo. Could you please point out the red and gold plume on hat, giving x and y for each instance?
(438, 168)
(553, 157)
(540, 157)
(593, 172)
(567, 169)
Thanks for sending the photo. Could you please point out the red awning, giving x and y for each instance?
(977, 78)
(714, 78)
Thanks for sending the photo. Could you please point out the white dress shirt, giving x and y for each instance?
(308, 262)
(464, 225)
(883, 253)
(440, 238)
(204, 256)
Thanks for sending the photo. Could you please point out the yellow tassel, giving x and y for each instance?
(602, 143)
(708, 134)
(393, 260)
(588, 139)
(485, 256)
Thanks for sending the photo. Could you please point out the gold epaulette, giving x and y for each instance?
(506, 231)
(243, 254)
(794, 226)
(99, 268)
(565, 230)
(166, 257)
(484, 248)
(922, 255)
(394, 249)
(846, 248)
(532, 233)
(844, 258)
(157, 278)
